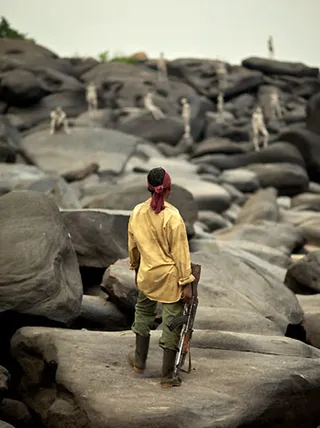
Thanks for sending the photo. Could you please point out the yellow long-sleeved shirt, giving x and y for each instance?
(158, 246)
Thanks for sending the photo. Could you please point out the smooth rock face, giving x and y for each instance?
(60, 152)
(260, 207)
(306, 201)
(285, 237)
(39, 270)
(271, 66)
(12, 175)
(103, 397)
(99, 236)
(9, 140)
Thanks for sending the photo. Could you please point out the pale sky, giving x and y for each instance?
(227, 29)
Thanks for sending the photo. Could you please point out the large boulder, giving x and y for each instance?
(289, 179)
(272, 66)
(111, 395)
(25, 118)
(201, 74)
(39, 269)
(61, 153)
(313, 113)
(276, 153)
(306, 201)
(260, 207)
(126, 197)
(308, 144)
(99, 236)
(283, 236)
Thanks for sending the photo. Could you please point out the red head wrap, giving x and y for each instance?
(157, 201)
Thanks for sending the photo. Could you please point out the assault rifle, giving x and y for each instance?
(187, 320)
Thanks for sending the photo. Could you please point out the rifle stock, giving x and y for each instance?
(187, 321)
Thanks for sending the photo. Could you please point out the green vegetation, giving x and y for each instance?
(6, 31)
(105, 57)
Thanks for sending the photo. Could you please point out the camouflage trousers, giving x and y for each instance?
(145, 316)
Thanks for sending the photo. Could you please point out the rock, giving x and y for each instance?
(218, 145)
(16, 413)
(306, 201)
(284, 202)
(99, 236)
(288, 179)
(311, 322)
(4, 382)
(241, 106)
(100, 314)
(242, 179)
(271, 66)
(303, 276)
(307, 221)
(270, 255)
(126, 197)
(248, 399)
(260, 207)
(236, 196)
(81, 174)
(60, 152)
(12, 175)
(39, 269)
(236, 132)
(25, 54)
(25, 118)
(213, 220)
(313, 113)
(5, 425)
(55, 188)
(118, 282)
(168, 130)
(20, 87)
(308, 144)
(103, 118)
(284, 237)
(9, 140)
(314, 188)
(231, 214)
(201, 75)
(275, 153)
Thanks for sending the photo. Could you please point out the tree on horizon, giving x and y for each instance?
(6, 31)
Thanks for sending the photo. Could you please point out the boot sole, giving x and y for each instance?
(135, 369)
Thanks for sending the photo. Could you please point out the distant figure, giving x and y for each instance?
(92, 98)
(259, 127)
(186, 115)
(275, 107)
(220, 107)
(221, 72)
(162, 68)
(154, 110)
(270, 47)
(58, 121)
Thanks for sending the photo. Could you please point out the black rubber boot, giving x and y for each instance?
(167, 380)
(138, 358)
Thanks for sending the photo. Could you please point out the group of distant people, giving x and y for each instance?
(59, 119)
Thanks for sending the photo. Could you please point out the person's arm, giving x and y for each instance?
(179, 248)
(134, 255)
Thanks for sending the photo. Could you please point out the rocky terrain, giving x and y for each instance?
(253, 221)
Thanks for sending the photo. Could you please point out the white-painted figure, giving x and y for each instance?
(220, 106)
(275, 106)
(259, 127)
(221, 72)
(186, 116)
(162, 68)
(58, 121)
(270, 47)
(154, 110)
(92, 97)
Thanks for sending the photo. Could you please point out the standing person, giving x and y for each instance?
(159, 254)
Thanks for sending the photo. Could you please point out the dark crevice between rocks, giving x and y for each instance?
(297, 331)
(91, 279)
(50, 403)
